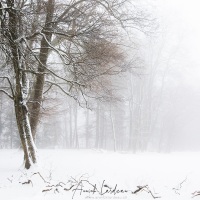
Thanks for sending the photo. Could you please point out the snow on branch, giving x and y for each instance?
(63, 90)
(53, 48)
(47, 69)
(60, 18)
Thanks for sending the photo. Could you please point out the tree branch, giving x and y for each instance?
(59, 19)
(11, 87)
(10, 96)
(63, 90)
(50, 71)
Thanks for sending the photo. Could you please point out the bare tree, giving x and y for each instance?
(67, 45)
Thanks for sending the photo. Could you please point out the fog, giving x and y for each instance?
(180, 34)
(170, 82)
(159, 107)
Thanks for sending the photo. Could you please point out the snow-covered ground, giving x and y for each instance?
(90, 174)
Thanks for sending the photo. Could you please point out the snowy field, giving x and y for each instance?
(90, 174)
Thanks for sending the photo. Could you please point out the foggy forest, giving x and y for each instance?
(99, 88)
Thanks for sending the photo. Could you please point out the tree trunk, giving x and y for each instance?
(113, 129)
(1, 109)
(131, 122)
(76, 139)
(66, 137)
(87, 134)
(102, 128)
(97, 126)
(21, 87)
(36, 98)
(11, 129)
(70, 127)
(24, 129)
(23, 123)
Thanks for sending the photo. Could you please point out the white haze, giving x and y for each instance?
(174, 54)
(180, 31)
(171, 59)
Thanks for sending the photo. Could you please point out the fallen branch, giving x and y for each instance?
(58, 184)
(69, 188)
(177, 189)
(139, 189)
(10, 180)
(27, 182)
(146, 189)
(47, 190)
(41, 177)
(195, 194)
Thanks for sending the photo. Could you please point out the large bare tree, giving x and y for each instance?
(72, 45)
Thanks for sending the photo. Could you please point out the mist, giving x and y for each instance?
(99, 99)
(156, 104)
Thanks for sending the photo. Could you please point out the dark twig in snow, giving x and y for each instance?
(41, 177)
(27, 182)
(47, 190)
(177, 189)
(196, 193)
(146, 189)
(139, 189)
(10, 180)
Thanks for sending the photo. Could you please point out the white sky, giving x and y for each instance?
(182, 19)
